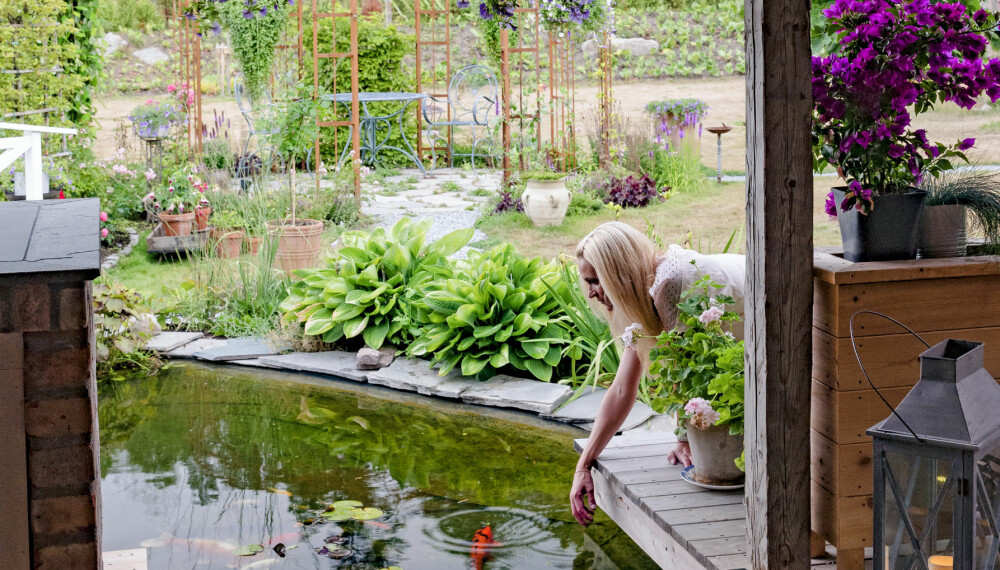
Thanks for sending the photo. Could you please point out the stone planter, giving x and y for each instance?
(201, 215)
(714, 453)
(299, 243)
(176, 225)
(228, 243)
(546, 201)
(942, 231)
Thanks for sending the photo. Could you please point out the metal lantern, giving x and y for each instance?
(937, 467)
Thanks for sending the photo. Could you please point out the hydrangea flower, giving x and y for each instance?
(701, 412)
(631, 335)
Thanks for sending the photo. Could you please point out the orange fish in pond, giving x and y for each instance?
(482, 542)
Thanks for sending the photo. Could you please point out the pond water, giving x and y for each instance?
(201, 460)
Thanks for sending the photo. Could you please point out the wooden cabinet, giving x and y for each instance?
(938, 299)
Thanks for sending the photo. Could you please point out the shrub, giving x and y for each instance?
(495, 312)
(370, 284)
(634, 191)
(679, 170)
(119, 15)
(216, 154)
(507, 202)
(123, 324)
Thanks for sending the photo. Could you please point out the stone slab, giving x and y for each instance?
(509, 392)
(50, 235)
(657, 423)
(417, 376)
(169, 340)
(151, 55)
(330, 363)
(583, 410)
(243, 348)
(252, 362)
(189, 349)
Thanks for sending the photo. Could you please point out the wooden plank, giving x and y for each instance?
(693, 500)
(714, 529)
(891, 360)
(631, 440)
(702, 514)
(843, 417)
(727, 546)
(844, 470)
(835, 269)
(661, 488)
(637, 464)
(730, 562)
(847, 522)
(658, 544)
(923, 305)
(15, 543)
(651, 451)
(645, 476)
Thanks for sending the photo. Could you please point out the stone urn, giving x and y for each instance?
(714, 453)
(546, 201)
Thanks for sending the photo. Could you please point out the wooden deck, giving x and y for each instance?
(679, 525)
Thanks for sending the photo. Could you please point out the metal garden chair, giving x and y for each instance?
(473, 93)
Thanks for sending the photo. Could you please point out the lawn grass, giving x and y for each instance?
(705, 219)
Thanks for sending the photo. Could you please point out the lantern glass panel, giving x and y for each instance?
(919, 504)
(987, 511)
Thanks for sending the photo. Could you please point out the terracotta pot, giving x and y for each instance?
(299, 243)
(176, 225)
(228, 243)
(201, 215)
(546, 201)
(714, 453)
(253, 242)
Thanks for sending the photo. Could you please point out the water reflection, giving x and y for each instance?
(198, 461)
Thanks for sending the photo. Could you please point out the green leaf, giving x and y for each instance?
(485, 331)
(357, 255)
(472, 366)
(468, 313)
(453, 242)
(319, 322)
(353, 327)
(375, 335)
(248, 550)
(539, 369)
(346, 312)
(367, 514)
(535, 349)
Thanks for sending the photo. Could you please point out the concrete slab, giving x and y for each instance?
(583, 410)
(243, 348)
(417, 376)
(189, 349)
(169, 340)
(330, 363)
(520, 393)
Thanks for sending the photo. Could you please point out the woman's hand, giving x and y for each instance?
(580, 494)
(680, 454)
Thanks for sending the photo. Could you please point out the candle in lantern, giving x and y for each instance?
(940, 562)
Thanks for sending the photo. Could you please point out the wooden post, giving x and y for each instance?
(355, 106)
(505, 95)
(33, 166)
(779, 282)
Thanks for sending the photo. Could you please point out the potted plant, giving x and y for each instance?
(202, 212)
(174, 203)
(227, 233)
(949, 200)
(545, 197)
(697, 372)
(891, 57)
(152, 121)
(675, 122)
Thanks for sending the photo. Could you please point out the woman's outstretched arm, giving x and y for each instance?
(611, 415)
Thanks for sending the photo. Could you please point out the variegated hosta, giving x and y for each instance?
(368, 286)
(495, 312)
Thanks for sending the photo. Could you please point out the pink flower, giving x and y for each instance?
(104, 216)
(631, 335)
(711, 315)
(150, 102)
(104, 232)
(150, 175)
(171, 88)
(702, 414)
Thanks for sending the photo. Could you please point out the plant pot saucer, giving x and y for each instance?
(688, 475)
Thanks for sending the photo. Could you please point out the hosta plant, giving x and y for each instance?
(496, 312)
(369, 285)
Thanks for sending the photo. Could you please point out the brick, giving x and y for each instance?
(51, 418)
(29, 307)
(60, 467)
(67, 557)
(11, 351)
(56, 359)
(74, 308)
(63, 514)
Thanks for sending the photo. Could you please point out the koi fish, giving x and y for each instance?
(287, 537)
(377, 524)
(482, 542)
(166, 539)
(279, 491)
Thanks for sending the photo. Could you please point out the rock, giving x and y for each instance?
(188, 350)
(371, 359)
(151, 56)
(236, 349)
(520, 393)
(167, 341)
(417, 376)
(635, 46)
(330, 363)
(111, 43)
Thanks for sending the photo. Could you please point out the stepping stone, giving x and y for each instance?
(583, 410)
(330, 363)
(510, 392)
(189, 349)
(657, 423)
(236, 349)
(253, 362)
(167, 341)
(417, 376)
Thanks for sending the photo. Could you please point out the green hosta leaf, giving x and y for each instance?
(486, 331)
(535, 349)
(375, 335)
(334, 334)
(369, 276)
(522, 323)
(126, 345)
(539, 369)
(346, 312)
(353, 327)
(514, 301)
(553, 356)
(453, 242)
(320, 322)
(468, 314)
(466, 343)
(357, 255)
(498, 360)
(472, 366)
(504, 334)
(372, 295)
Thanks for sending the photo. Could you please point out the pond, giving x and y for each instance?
(200, 461)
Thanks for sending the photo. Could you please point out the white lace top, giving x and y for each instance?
(675, 273)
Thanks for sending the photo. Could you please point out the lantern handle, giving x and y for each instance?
(865, 372)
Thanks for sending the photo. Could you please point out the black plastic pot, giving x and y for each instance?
(890, 231)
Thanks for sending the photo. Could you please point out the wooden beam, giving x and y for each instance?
(779, 282)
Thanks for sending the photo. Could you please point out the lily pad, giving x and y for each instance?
(339, 553)
(344, 505)
(367, 514)
(248, 550)
(339, 515)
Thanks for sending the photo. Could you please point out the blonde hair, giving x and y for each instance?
(625, 262)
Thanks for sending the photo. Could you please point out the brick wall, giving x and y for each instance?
(48, 423)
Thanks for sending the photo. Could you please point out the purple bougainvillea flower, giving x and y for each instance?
(966, 144)
(831, 205)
